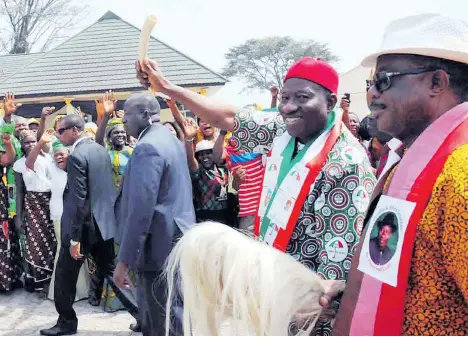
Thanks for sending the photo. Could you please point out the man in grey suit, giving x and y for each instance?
(88, 220)
(155, 208)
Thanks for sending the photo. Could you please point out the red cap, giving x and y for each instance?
(315, 70)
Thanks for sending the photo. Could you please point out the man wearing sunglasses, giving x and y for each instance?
(88, 221)
(419, 96)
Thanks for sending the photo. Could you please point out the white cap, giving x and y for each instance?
(204, 145)
(426, 34)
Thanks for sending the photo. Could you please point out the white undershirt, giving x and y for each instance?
(76, 143)
(58, 179)
(37, 180)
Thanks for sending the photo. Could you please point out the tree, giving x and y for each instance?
(33, 23)
(262, 63)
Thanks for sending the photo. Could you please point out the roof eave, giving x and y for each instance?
(100, 91)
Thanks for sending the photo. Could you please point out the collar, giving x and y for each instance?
(142, 132)
(76, 143)
(394, 144)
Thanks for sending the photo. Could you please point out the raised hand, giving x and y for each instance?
(10, 105)
(344, 103)
(47, 111)
(108, 103)
(120, 114)
(170, 103)
(274, 92)
(190, 129)
(150, 75)
(6, 137)
(48, 136)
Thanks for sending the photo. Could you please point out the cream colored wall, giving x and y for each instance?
(354, 82)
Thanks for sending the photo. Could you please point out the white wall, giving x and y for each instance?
(354, 82)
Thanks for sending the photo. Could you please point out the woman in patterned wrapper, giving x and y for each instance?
(10, 258)
(39, 229)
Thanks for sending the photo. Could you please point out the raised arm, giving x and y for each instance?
(46, 138)
(274, 97)
(46, 112)
(214, 112)
(9, 156)
(178, 116)
(219, 155)
(107, 105)
(344, 105)
(190, 131)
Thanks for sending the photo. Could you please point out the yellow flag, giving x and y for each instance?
(69, 106)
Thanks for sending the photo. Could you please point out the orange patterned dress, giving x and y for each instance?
(437, 295)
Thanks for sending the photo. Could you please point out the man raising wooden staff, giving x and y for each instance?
(318, 179)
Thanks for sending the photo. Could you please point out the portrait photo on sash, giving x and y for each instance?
(385, 233)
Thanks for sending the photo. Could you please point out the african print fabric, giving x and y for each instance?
(40, 239)
(210, 188)
(331, 220)
(10, 258)
(119, 161)
(437, 295)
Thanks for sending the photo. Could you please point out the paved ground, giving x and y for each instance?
(23, 313)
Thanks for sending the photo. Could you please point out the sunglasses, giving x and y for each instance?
(62, 130)
(383, 80)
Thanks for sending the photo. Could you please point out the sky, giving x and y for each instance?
(206, 29)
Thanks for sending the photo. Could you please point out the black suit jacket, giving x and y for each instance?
(155, 205)
(88, 202)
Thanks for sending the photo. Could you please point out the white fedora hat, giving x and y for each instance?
(427, 34)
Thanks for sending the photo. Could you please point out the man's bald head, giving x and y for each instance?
(142, 102)
(140, 111)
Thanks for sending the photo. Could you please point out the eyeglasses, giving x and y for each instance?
(62, 130)
(383, 80)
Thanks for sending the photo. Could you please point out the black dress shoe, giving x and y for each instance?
(135, 327)
(95, 302)
(59, 330)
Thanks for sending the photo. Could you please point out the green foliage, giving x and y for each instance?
(262, 63)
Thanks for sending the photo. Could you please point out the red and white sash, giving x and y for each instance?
(284, 208)
(374, 305)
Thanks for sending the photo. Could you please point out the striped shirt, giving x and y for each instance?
(251, 188)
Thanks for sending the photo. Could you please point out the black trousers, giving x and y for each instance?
(152, 306)
(66, 276)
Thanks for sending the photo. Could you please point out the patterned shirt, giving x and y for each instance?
(210, 188)
(331, 220)
(119, 161)
(437, 295)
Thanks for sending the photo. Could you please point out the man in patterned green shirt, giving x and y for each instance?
(318, 179)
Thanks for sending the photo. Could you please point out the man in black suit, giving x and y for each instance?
(154, 208)
(88, 220)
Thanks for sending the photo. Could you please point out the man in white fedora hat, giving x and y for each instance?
(420, 96)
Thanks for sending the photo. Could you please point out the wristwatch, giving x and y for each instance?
(73, 243)
(223, 132)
